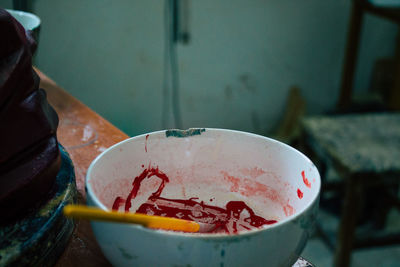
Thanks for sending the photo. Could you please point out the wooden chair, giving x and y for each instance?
(364, 149)
(359, 9)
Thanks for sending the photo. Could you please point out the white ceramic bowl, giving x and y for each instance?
(214, 165)
(28, 20)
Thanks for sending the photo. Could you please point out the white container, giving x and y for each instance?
(214, 165)
(28, 20)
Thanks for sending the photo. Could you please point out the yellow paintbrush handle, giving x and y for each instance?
(158, 222)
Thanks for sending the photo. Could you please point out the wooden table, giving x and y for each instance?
(84, 134)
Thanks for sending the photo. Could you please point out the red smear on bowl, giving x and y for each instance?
(305, 180)
(119, 201)
(252, 172)
(249, 187)
(233, 218)
(288, 209)
(299, 193)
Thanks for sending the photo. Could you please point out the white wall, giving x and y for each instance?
(235, 73)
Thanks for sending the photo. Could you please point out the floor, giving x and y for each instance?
(321, 255)
(318, 252)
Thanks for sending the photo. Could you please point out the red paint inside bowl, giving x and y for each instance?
(231, 219)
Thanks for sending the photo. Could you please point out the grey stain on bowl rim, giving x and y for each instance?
(184, 133)
(228, 240)
(126, 255)
(180, 246)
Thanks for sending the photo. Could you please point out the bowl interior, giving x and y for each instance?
(213, 165)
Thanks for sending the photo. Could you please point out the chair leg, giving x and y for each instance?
(351, 53)
(22, 5)
(394, 99)
(348, 221)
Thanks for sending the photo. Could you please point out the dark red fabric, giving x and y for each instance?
(28, 123)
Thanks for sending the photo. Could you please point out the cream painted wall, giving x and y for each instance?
(235, 73)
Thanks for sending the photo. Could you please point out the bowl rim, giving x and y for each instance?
(220, 236)
(14, 12)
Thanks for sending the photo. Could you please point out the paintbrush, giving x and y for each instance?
(150, 221)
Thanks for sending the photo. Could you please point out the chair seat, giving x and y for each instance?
(385, 3)
(359, 143)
